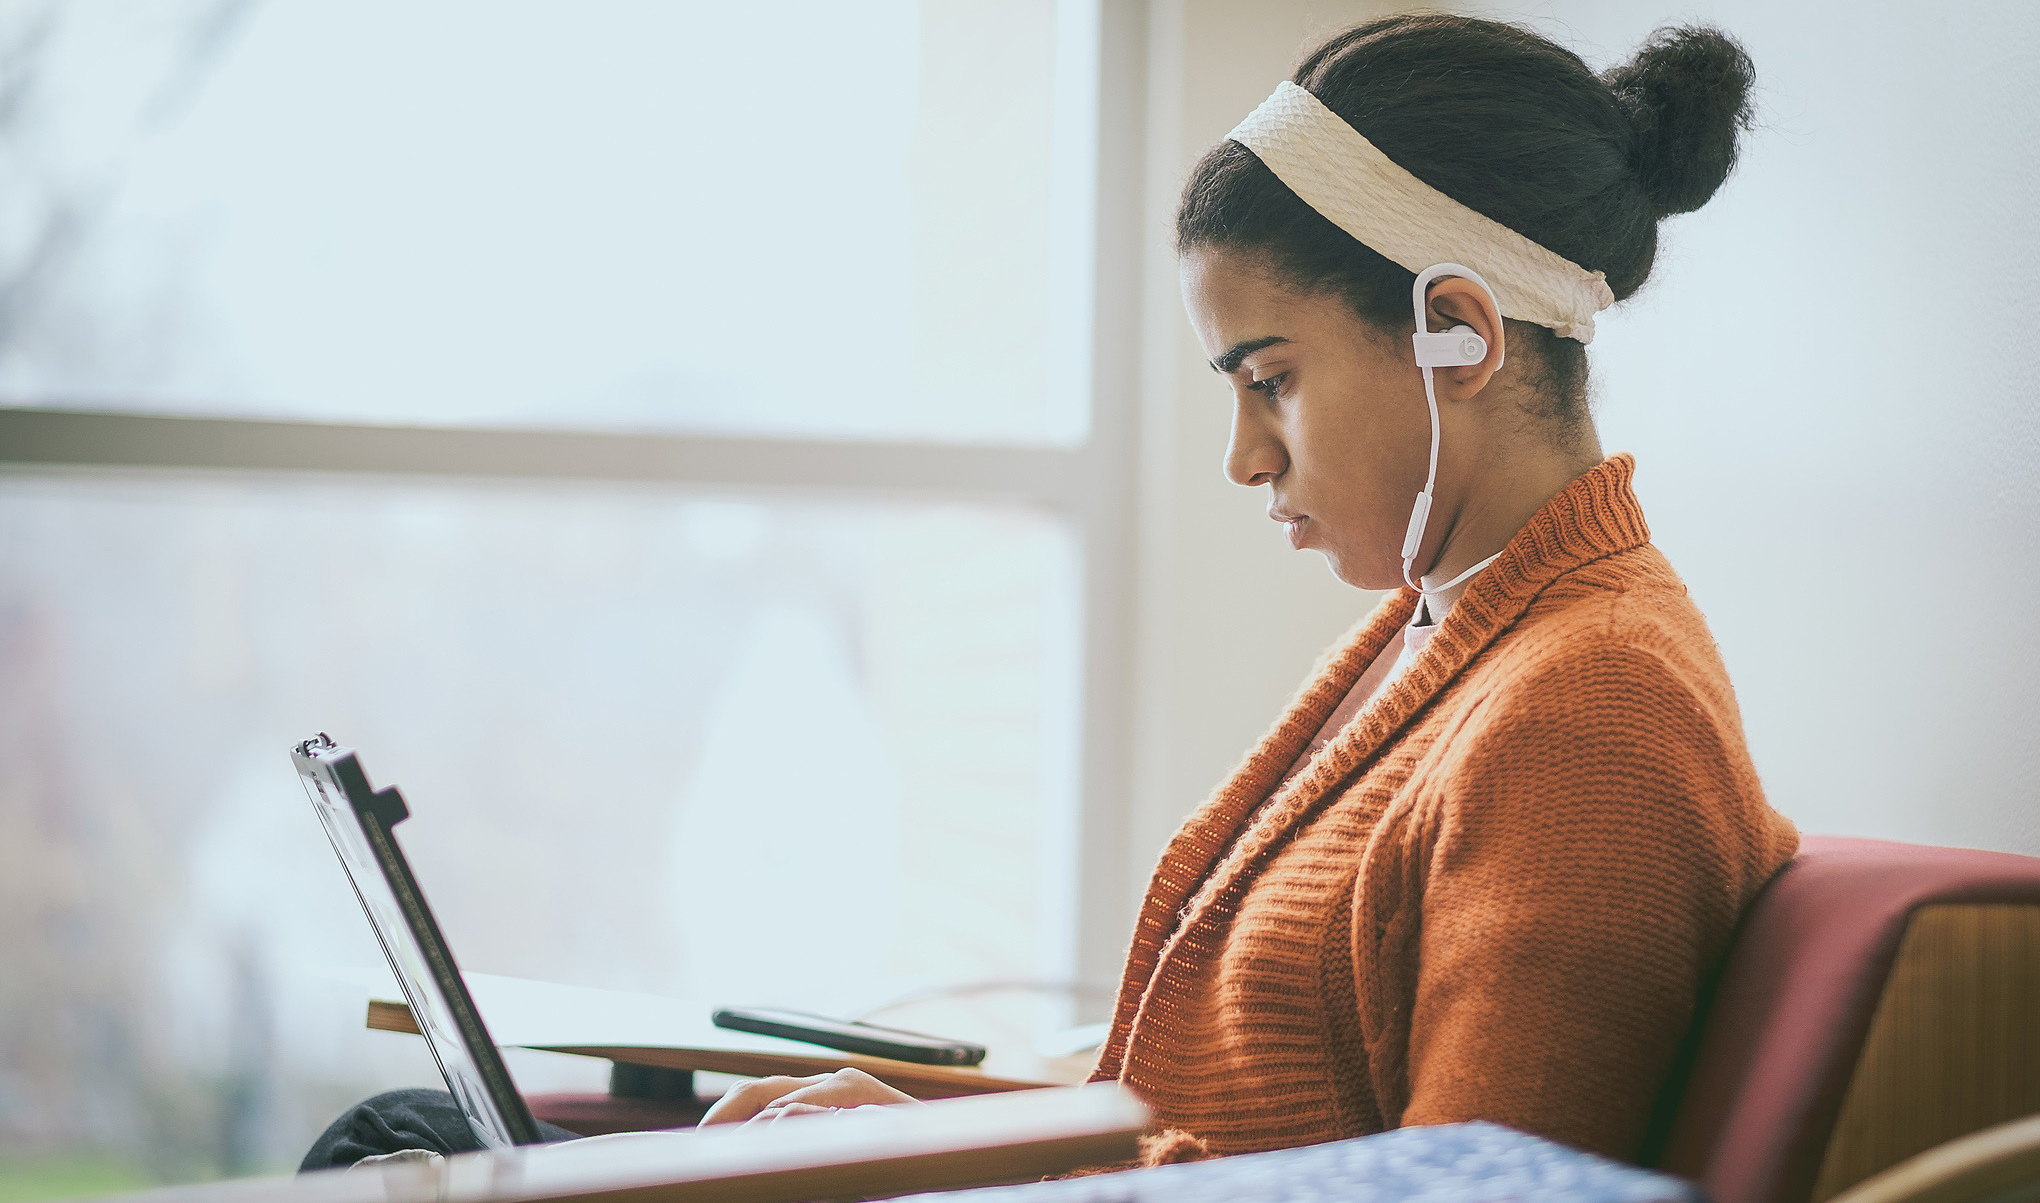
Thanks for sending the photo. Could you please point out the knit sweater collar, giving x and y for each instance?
(1595, 516)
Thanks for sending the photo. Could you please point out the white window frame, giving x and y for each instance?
(1092, 486)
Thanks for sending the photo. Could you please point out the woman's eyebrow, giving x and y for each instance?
(1230, 361)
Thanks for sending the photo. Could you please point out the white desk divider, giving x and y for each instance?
(869, 1152)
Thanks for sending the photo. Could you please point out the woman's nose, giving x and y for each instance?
(1253, 456)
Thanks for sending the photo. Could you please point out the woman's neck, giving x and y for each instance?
(1509, 492)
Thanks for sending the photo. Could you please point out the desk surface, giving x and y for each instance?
(647, 1029)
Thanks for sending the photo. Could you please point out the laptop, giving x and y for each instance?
(359, 820)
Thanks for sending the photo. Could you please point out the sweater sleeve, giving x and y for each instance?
(1584, 873)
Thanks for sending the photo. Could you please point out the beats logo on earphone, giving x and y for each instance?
(1458, 347)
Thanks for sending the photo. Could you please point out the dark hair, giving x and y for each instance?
(1509, 124)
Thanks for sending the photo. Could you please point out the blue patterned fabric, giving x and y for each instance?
(1449, 1163)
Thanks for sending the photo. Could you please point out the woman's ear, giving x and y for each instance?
(1456, 301)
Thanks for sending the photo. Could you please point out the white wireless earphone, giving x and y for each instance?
(1455, 348)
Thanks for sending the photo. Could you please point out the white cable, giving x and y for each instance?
(1420, 513)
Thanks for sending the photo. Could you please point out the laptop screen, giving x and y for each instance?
(358, 821)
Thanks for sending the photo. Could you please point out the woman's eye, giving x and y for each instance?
(1271, 387)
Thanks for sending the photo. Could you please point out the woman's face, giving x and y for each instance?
(1328, 412)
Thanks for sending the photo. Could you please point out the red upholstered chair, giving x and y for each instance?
(1879, 999)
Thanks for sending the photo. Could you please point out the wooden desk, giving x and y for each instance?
(645, 1029)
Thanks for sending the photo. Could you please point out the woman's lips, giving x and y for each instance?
(1293, 525)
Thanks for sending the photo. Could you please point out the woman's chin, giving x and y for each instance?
(1360, 572)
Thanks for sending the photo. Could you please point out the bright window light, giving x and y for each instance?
(839, 220)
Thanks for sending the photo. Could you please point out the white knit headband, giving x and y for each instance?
(1338, 172)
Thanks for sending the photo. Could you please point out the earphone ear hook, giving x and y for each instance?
(1459, 346)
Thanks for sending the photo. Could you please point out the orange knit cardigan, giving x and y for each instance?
(1493, 896)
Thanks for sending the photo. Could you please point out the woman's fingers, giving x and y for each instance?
(846, 1088)
(747, 1099)
(779, 1111)
(822, 1092)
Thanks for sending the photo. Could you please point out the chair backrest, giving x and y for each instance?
(1879, 999)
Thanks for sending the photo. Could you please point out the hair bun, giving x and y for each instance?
(1687, 93)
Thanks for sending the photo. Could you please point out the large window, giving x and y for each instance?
(659, 435)
(805, 217)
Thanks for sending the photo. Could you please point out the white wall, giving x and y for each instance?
(1828, 387)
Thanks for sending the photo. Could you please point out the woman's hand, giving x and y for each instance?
(768, 1099)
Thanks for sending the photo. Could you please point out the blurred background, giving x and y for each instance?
(742, 471)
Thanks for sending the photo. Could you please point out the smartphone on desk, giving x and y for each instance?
(868, 1039)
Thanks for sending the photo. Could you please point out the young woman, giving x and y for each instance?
(1482, 864)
